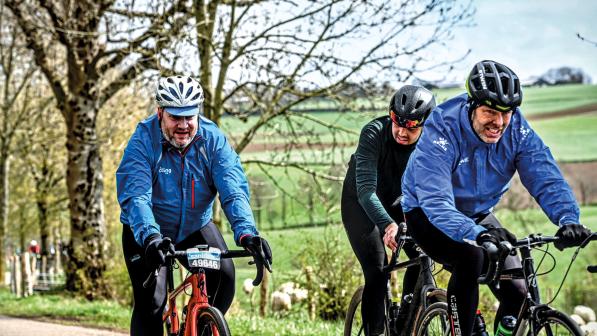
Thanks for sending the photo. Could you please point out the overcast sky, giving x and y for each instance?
(530, 36)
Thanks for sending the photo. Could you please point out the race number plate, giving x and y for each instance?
(204, 258)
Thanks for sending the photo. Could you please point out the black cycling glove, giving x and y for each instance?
(259, 248)
(155, 248)
(571, 235)
(495, 235)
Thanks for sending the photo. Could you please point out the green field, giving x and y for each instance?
(537, 100)
(571, 138)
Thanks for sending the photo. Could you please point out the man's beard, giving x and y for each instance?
(173, 142)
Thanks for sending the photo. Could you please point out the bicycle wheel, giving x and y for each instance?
(555, 323)
(434, 296)
(353, 323)
(434, 321)
(211, 322)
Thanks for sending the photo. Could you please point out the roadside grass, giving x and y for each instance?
(66, 309)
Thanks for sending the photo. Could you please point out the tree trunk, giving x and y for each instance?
(85, 265)
(44, 228)
(4, 170)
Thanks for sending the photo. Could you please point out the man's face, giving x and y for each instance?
(179, 131)
(405, 136)
(490, 124)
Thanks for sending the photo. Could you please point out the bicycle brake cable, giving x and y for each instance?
(565, 274)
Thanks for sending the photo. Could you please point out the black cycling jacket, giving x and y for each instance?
(375, 172)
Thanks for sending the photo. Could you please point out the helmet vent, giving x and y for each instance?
(505, 83)
(419, 103)
(403, 99)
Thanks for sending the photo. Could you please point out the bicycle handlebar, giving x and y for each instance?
(497, 257)
(151, 278)
(497, 254)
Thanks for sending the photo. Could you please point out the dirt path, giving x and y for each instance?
(11, 326)
(564, 113)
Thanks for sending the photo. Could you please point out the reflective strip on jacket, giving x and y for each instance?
(453, 175)
(161, 190)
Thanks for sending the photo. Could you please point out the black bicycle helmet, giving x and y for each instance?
(495, 85)
(411, 105)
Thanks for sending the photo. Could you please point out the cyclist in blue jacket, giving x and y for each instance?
(173, 166)
(471, 147)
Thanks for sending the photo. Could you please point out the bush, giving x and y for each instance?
(335, 272)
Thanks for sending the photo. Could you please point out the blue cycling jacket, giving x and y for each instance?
(163, 190)
(453, 175)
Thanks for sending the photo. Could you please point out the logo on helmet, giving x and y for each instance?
(482, 79)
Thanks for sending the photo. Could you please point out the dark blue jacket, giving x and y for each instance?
(453, 175)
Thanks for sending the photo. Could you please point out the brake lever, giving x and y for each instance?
(151, 278)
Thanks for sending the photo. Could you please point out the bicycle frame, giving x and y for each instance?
(197, 301)
(531, 305)
(425, 281)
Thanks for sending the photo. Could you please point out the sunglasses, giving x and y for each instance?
(403, 122)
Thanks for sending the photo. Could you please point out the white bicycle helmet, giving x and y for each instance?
(179, 95)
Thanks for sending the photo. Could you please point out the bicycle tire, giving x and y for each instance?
(211, 322)
(434, 296)
(434, 321)
(353, 322)
(555, 323)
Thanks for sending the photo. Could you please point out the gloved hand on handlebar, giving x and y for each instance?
(259, 248)
(495, 235)
(571, 235)
(155, 249)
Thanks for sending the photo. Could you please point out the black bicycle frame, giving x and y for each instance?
(425, 281)
(531, 305)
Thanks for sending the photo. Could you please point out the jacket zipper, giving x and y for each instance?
(193, 193)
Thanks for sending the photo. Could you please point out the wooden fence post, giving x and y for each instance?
(263, 291)
(311, 292)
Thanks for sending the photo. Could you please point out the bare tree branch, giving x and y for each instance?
(586, 40)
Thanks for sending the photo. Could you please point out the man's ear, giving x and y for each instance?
(160, 112)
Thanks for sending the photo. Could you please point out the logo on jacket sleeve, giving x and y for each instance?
(443, 143)
(524, 132)
(165, 171)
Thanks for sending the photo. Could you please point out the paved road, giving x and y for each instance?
(10, 326)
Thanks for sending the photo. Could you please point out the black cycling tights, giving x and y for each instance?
(150, 302)
(466, 262)
(366, 241)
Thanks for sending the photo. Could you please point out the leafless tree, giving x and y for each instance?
(88, 51)
(278, 54)
(266, 58)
